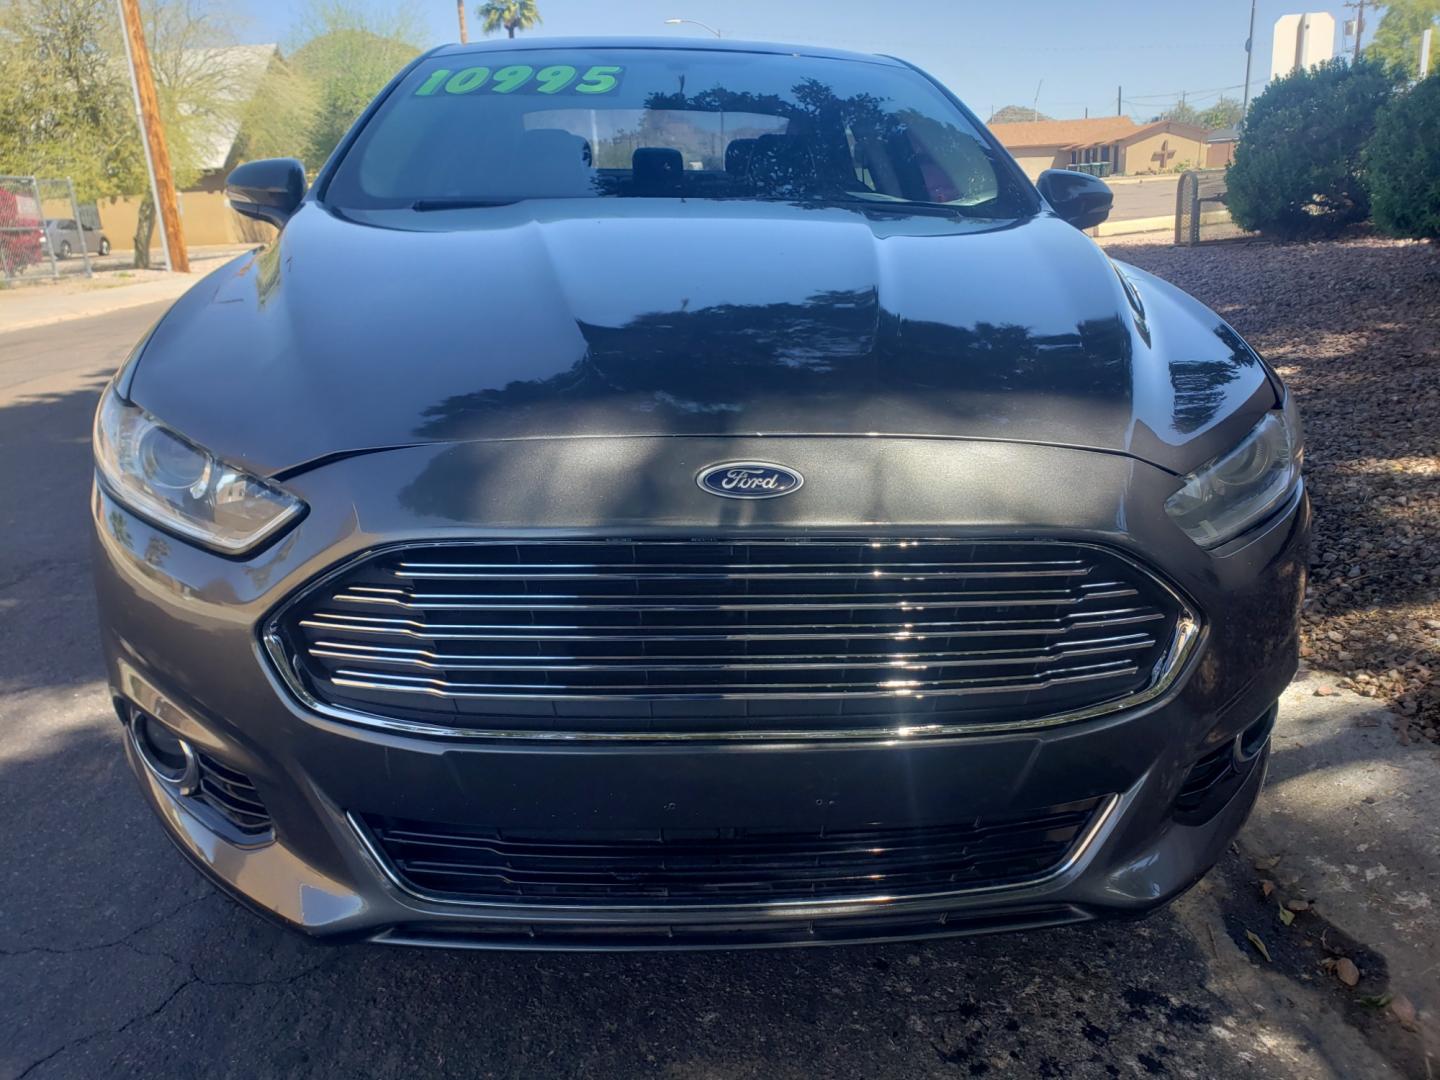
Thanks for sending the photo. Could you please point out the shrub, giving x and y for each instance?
(1403, 163)
(1298, 169)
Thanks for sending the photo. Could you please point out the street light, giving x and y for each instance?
(693, 22)
(711, 29)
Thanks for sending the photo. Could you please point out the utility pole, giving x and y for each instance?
(1359, 6)
(157, 157)
(1249, 55)
(1118, 110)
(1035, 105)
(460, 12)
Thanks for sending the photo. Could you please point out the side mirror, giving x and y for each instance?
(1079, 198)
(269, 190)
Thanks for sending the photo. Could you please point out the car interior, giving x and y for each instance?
(650, 153)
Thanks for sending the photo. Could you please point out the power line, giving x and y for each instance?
(1188, 99)
(1166, 45)
(1177, 94)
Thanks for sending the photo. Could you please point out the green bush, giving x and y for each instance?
(1403, 163)
(1299, 167)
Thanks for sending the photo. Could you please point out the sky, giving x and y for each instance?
(1074, 53)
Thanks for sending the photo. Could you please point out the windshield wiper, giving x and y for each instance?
(902, 206)
(463, 202)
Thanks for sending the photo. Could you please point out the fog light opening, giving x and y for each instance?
(166, 754)
(1252, 740)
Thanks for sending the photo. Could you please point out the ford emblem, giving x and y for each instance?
(749, 480)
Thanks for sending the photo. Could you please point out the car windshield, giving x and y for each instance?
(484, 128)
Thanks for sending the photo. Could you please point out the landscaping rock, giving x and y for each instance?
(1353, 325)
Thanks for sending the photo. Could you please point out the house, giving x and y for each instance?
(205, 216)
(247, 67)
(1105, 145)
(1220, 147)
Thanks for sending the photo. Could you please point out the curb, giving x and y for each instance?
(1135, 225)
(89, 305)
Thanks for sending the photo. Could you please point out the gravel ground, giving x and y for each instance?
(1353, 325)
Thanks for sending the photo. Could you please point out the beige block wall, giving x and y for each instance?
(1218, 155)
(1036, 161)
(204, 217)
(1137, 157)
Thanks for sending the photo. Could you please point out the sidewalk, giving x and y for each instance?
(42, 304)
(1345, 831)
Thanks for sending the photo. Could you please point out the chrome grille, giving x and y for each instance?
(702, 635)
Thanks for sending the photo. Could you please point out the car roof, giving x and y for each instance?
(667, 44)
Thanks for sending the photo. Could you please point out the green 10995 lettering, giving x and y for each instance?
(522, 78)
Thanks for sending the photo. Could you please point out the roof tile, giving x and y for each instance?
(1064, 133)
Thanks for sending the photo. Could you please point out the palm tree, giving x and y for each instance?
(460, 14)
(511, 14)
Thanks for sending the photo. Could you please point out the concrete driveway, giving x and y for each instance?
(117, 960)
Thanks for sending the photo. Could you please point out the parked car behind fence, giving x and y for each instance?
(66, 237)
(41, 225)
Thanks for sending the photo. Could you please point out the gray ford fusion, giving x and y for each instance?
(657, 495)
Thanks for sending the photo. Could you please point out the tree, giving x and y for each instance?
(200, 89)
(1015, 114)
(1298, 168)
(277, 119)
(512, 15)
(1224, 113)
(348, 59)
(67, 109)
(1403, 161)
(1397, 39)
(1181, 113)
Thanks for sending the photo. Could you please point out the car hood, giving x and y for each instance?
(660, 317)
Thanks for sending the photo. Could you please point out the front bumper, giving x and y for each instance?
(181, 640)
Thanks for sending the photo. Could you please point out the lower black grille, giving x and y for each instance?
(1205, 776)
(739, 635)
(231, 794)
(1215, 776)
(726, 865)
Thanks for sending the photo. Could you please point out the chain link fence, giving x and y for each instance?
(44, 232)
(1200, 211)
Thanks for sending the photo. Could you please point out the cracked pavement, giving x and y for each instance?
(118, 960)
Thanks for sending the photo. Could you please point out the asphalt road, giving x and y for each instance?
(1146, 198)
(118, 960)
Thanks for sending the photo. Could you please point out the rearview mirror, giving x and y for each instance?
(1079, 198)
(269, 190)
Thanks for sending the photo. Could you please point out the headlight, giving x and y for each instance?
(1238, 489)
(166, 478)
